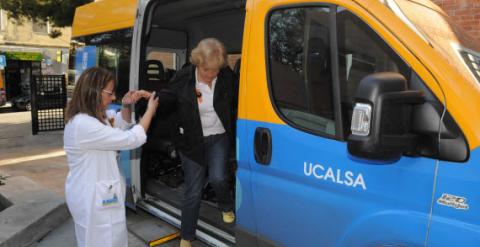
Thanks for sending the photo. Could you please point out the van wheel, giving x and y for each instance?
(28, 106)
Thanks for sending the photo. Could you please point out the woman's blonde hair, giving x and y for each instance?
(87, 95)
(210, 52)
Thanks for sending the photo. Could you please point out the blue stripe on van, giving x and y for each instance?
(295, 202)
(457, 224)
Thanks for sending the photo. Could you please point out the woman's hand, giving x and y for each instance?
(152, 103)
(151, 109)
(143, 94)
(132, 97)
(129, 98)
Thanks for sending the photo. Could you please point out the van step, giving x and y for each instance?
(154, 231)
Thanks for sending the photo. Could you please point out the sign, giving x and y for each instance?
(25, 56)
(85, 57)
(3, 61)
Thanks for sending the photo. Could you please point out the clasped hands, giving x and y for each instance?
(132, 97)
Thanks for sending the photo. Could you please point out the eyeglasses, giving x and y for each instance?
(109, 93)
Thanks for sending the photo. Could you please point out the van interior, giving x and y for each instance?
(171, 30)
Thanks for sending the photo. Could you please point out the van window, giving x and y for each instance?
(300, 68)
(113, 51)
(166, 62)
(361, 52)
(168, 59)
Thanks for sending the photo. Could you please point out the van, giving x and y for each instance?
(357, 121)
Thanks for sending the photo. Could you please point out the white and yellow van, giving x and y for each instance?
(358, 120)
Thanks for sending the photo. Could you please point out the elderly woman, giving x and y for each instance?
(94, 188)
(203, 100)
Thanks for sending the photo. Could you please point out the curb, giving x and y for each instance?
(32, 211)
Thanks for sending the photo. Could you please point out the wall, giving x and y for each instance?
(14, 34)
(466, 13)
(20, 37)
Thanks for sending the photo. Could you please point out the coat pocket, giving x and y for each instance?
(108, 194)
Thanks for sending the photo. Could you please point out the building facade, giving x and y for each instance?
(28, 50)
(466, 13)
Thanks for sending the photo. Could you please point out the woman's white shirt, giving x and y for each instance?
(211, 123)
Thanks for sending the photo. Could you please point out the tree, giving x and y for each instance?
(58, 12)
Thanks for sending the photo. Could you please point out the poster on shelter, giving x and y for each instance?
(85, 58)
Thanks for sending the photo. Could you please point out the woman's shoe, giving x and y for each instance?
(228, 217)
(185, 243)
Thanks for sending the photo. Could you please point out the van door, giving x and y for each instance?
(306, 189)
(135, 180)
(151, 68)
(455, 222)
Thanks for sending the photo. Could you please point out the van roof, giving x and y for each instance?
(105, 15)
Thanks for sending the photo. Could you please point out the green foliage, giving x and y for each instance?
(58, 12)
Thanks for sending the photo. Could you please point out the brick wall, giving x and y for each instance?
(466, 13)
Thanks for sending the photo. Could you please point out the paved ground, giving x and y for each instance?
(64, 236)
(40, 158)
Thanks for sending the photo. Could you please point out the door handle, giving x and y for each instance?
(263, 146)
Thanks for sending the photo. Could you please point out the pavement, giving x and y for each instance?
(64, 235)
(41, 159)
(30, 211)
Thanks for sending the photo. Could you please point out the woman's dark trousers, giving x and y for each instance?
(216, 156)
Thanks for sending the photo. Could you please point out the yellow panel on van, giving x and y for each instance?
(106, 15)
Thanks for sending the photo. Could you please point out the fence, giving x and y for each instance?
(49, 97)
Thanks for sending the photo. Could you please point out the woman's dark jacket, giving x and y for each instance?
(180, 102)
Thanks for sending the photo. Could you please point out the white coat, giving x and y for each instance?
(94, 188)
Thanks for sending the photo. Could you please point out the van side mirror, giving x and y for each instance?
(381, 118)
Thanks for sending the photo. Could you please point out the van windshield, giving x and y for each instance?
(462, 51)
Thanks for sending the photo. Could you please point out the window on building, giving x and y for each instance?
(40, 27)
